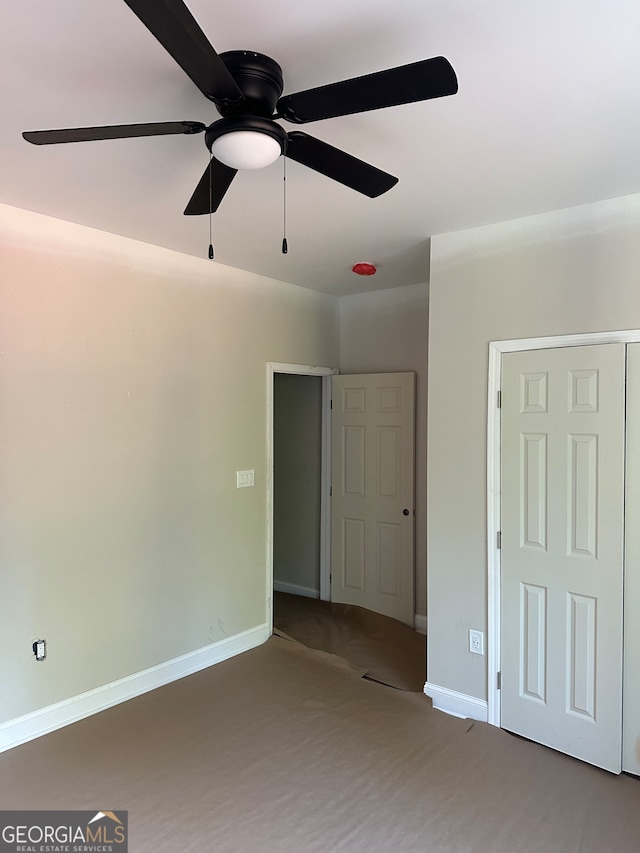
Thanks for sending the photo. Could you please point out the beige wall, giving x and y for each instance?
(567, 272)
(386, 331)
(133, 385)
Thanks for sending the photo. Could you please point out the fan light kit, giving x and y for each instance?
(364, 268)
(246, 149)
(246, 88)
(246, 142)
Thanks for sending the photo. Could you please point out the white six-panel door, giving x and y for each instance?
(631, 691)
(372, 504)
(562, 549)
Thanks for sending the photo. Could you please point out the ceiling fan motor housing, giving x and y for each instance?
(260, 80)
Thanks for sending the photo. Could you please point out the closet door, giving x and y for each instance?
(631, 736)
(563, 468)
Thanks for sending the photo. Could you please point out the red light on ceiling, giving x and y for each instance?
(364, 269)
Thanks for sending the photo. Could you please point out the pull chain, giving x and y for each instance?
(210, 208)
(285, 247)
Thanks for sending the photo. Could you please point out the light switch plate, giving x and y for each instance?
(244, 479)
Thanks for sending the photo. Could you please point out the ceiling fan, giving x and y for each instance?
(246, 88)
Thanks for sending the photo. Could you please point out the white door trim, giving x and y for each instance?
(496, 351)
(326, 373)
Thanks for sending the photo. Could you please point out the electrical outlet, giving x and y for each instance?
(40, 649)
(476, 642)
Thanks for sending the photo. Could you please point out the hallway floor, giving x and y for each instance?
(389, 651)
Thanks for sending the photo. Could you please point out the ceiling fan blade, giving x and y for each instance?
(114, 131)
(176, 29)
(338, 165)
(211, 189)
(419, 81)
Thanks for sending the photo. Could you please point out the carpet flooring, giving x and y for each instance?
(284, 749)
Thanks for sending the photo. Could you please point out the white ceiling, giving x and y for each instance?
(547, 116)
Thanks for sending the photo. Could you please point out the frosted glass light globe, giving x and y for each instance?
(246, 149)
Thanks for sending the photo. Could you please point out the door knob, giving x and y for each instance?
(405, 512)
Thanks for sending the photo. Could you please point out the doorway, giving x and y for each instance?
(299, 452)
(304, 378)
(297, 461)
(373, 472)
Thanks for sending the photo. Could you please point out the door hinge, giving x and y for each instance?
(330, 491)
(499, 540)
(499, 401)
(331, 403)
(499, 680)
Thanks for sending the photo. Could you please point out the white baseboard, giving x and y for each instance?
(420, 623)
(296, 589)
(45, 720)
(457, 704)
